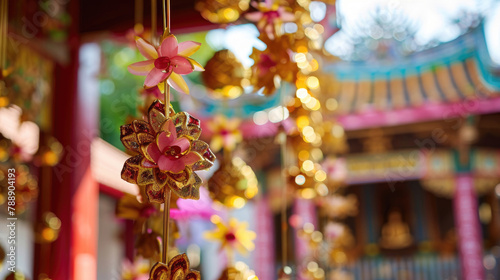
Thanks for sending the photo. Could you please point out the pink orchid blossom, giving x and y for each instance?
(167, 62)
(170, 153)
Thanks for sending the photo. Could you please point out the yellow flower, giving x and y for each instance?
(233, 235)
(226, 133)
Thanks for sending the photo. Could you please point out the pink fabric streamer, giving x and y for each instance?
(189, 208)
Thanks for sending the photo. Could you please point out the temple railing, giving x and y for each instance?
(425, 267)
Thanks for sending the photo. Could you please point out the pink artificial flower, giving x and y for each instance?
(270, 16)
(170, 153)
(167, 62)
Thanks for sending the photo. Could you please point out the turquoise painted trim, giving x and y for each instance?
(243, 107)
(469, 45)
(462, 168)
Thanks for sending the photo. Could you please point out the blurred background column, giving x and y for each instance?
(469, 228)
(470, 245)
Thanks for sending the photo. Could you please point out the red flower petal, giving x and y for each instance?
(146, 49)
(182, 143)
(167, 164)
(155, 77)
(141, 68)
(188, 48)
(154, 152)
(191, 158)
(165, 141)
(169, 47)
(181, 65)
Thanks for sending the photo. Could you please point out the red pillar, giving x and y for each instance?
(264, 250)
(468, 227)
(74, 193)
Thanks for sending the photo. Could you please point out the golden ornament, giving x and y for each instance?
(221, 11)
(240, 271)
(233, 183)
(273, 65)
(177, 269)
(224, 75)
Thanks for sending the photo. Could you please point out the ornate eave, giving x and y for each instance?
(425, 86)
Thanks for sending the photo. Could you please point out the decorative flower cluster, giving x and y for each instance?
(168, 153)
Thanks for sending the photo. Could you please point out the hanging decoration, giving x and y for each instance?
(233, 236)
(272, 65)
(311, 267)
(166, 145)
(169, 153)
(226, 134)
(136, 270)
(233, 183)
(240, 271)
(225, 76)
(221, 11)
(270, 16)
(177, 269)
(129, 207)
(167, 62)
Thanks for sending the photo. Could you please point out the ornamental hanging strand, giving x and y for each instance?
(167, 145)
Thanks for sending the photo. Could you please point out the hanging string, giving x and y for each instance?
(168, 193)
(138, 17)
(284, 224)
(3, 35)
(166, 16)
(153, 21)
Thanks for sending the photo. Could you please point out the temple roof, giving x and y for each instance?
(448, 74)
